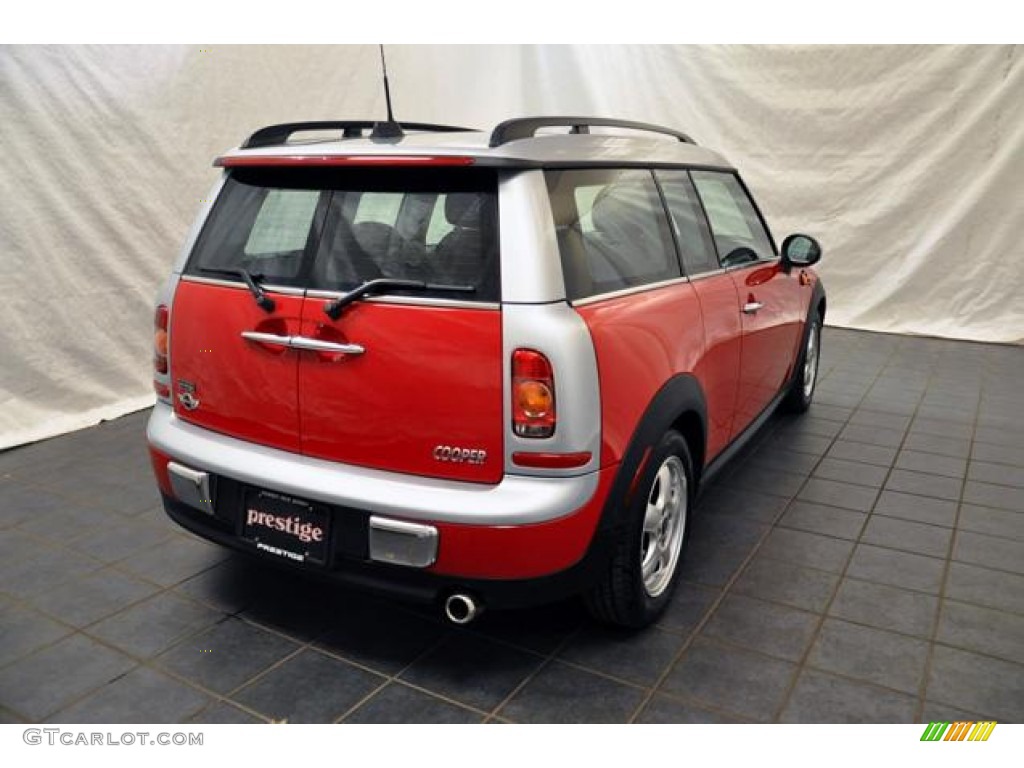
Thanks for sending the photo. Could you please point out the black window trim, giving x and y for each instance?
(704, 217)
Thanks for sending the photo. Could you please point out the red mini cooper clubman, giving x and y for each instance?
(474, 369)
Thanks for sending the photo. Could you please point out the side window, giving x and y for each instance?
(612, 230)
(737, 228)
(283, 222)
(692, 233)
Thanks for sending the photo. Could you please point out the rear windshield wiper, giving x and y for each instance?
(383, 285)
(251, 281)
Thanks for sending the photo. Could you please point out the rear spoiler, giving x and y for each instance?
(405, 161)
(274, 135)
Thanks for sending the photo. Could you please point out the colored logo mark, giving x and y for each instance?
(958, 731)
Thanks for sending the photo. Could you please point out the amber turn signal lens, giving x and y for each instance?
(534, 399)
(160, 342)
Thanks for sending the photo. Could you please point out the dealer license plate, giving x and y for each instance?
(286, 527)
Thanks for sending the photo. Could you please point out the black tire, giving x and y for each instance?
(620, 596)
(799, 397)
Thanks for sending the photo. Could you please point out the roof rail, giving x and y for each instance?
(526, 127)
(279, 134)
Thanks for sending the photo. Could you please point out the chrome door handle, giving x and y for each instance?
(316, 345)
(751, 307)
(301, 342)
(267, 338)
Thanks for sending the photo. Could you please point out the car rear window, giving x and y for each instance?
(334, 229)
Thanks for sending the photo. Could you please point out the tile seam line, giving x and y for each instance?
(726, 588)
(944, 583)
(802, 664)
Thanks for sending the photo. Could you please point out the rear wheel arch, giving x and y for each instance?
(641, 572)
(679, 405)
(692, 428)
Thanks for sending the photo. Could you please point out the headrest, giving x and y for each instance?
(618, 207)
(462, 209)
(373, 236)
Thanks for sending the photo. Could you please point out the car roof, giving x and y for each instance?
(513, 148)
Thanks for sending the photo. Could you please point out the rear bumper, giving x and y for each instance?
(412, 584)
(516, 500)
(522, 529)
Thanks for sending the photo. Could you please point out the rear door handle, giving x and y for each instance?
(301, 342)
(316, 345)
(267, 338)
(751, 307)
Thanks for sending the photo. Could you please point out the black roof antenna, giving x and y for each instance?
(389, 129)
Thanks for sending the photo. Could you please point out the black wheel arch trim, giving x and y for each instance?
(817, 300)
(680, 395)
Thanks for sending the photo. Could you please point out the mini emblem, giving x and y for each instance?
(188, 401)
(459, 455)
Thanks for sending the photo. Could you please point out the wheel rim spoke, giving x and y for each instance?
(652, 520)
(663, 526)
(811, 360)
(650, 568)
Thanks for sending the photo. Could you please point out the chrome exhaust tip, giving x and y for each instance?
(461, 609)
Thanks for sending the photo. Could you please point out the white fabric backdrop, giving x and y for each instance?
(906, 162)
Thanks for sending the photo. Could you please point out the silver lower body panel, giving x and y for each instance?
(516, 500)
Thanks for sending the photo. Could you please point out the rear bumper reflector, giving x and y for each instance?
(191, 487)
(551, 460)
(401, 543)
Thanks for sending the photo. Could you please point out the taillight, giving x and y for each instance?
(160, 366)
(533, 394)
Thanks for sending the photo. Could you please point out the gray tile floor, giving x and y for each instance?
(864, 562)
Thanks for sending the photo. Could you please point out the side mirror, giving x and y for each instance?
(800, 251)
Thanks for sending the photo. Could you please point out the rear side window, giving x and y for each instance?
(692, 233)
(612, 230)
(334, 229)
(735, 224)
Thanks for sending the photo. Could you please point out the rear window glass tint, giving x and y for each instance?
(334, 229)
(283, 222)
(260, 225)
(612, 230)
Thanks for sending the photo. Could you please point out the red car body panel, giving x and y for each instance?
(521, 551)
(245, 389)
(659, 332)
(429, 377)
(718, 369)
(770, 335)
(159, 460)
